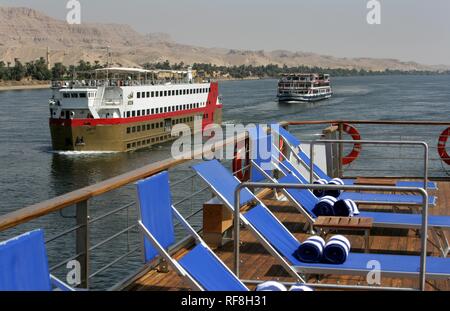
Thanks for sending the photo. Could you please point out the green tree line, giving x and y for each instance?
(37, 70)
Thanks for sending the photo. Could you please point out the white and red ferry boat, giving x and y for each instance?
(123, 109)
(304, 87)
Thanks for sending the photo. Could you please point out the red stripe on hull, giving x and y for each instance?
(208, 110)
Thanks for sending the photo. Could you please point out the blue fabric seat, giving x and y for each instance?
(275, 233)
(295, 142)
(156, 216)
(24, 264)
(391, 265)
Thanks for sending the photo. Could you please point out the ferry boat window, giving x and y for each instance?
(143, 112)
(128, 114)
(165, 93)
(173, 92)
(143, 94)
(138, 94)
(184, 107)
(153, 94)
(156, 94)
(138, 113)
(165, 109)
(160, 93)
(66, 95)
(148, 111)
(184, 92)
(74, 95)
(148, 94)
(133, 113)
(153, 110)
(82, 95)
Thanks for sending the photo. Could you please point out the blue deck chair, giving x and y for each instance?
(200, 267)
(294, 142)
(304, 200)
(362, 198)
(275, 237)
(24, 265)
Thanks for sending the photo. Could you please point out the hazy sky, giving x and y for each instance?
(417, 30)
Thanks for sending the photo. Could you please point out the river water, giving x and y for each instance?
(31, 172)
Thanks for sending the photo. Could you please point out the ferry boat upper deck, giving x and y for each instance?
(304, 87)
(408, 237)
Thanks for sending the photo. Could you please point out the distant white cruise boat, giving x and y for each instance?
(304, 87)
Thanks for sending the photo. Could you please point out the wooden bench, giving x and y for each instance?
(326, 224)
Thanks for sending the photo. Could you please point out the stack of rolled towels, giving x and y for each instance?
(330, 206)
(333, 193)
(272, 286)
(315, 250)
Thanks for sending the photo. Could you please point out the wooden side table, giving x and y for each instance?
(327, 224)
(375, 181)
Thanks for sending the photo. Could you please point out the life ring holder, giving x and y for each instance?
(441, 146)
(357, 147)
(242, 172)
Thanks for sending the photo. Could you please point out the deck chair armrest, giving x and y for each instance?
(60, 285)
(187, 226)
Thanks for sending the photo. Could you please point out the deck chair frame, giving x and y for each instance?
(438, 234)
(165, 254)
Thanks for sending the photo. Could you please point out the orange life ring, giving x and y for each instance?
(354, 154)
(281, 147)
(241, 172)
(441, 146)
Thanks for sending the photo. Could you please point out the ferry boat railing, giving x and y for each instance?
(76, 246)
(276, 186)
(374, 161)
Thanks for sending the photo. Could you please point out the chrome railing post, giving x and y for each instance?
(424, 240)
(341, 150)
(236, 223)
(82, 242)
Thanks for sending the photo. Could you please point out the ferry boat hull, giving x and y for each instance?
(303, 98)
(68, 135)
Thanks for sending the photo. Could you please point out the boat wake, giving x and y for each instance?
(83, 153)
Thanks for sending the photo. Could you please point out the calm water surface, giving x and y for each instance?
(31, 172)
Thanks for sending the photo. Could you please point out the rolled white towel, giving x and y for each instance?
(271, 286)
(325, 206)
(300, 288)
(320, 193)
(311, 250)
(345, 208)
(337, 182)
(337, 249)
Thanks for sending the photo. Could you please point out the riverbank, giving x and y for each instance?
(20, 85)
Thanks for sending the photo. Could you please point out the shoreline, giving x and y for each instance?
(4, 88)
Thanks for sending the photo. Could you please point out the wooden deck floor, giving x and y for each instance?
(258, 264)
